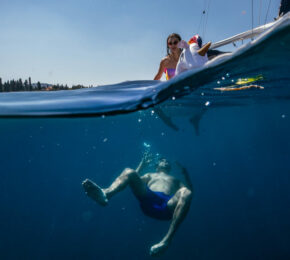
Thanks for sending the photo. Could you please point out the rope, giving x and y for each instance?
(267, 12)
(260, 12)
(252, 18)
(206, 19)
(198, 28)
(201, 17)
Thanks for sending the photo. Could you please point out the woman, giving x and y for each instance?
(168, 64)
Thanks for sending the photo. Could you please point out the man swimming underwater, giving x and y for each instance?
(161, 196)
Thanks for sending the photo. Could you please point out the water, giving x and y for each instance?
(235, 145)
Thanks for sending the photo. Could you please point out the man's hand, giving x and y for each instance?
(147, 158)
(145, 161)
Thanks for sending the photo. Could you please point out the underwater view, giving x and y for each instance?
(235, 146)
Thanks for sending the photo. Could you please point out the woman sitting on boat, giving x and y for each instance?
(168, 63)
(174, 45)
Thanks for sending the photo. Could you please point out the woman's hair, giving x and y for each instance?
(173, 35)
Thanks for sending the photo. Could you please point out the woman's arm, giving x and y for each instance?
(160, 70)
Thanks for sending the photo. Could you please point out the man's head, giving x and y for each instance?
(163, 166)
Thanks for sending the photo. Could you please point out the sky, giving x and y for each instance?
(94, 42)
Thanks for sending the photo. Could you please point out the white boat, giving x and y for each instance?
(250, 34)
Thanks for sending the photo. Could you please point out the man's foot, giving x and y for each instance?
(158, 249)
(95, 192)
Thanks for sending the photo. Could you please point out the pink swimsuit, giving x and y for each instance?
(169, 73)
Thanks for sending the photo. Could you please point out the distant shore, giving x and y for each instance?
(26, 85)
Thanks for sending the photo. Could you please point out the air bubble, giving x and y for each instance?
(146, 145)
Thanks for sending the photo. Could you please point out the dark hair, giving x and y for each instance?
(173, 35)
(168, 168)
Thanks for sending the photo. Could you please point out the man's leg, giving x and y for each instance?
(180, 204)
(127, 177)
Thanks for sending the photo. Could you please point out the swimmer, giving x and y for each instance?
(161, 196)
(168, 63)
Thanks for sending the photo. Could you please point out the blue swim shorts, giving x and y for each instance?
(154, 205)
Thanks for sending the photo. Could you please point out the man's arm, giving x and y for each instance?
(187, 179)
(146, 178)
(140, 166)
(145, 161)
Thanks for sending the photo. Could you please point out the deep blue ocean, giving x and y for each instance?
(235, 146)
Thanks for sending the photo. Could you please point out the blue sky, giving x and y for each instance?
(94, 42)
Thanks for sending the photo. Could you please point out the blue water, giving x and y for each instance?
(237, 153)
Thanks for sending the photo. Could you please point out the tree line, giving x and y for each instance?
(26, 85)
